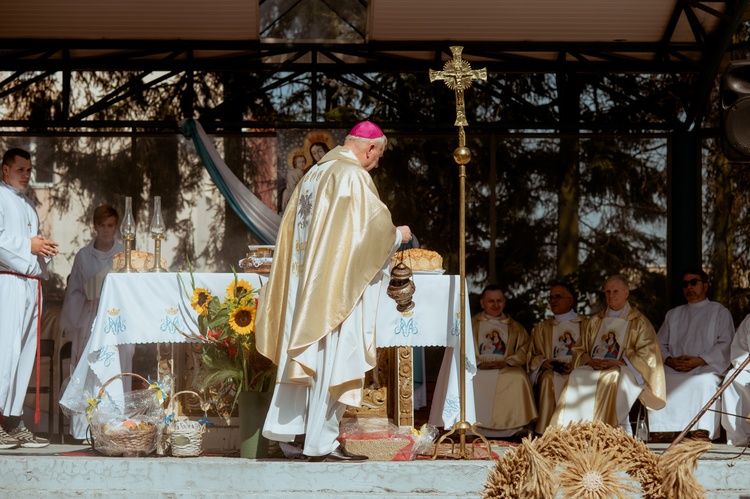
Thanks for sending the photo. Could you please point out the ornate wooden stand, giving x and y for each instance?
(389, 391)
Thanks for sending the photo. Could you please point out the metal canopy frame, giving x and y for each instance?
(605, 66)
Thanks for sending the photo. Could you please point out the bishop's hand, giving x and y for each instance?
(405, 233)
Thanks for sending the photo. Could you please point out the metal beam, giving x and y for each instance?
(715, 49)
(353, 64)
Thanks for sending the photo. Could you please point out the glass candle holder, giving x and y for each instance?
(157, 233)
(127, 230)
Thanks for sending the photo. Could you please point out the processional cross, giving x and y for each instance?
(458, 76)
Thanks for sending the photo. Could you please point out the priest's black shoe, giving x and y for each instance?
(338, 454)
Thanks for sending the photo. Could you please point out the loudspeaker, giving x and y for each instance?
(735, 111)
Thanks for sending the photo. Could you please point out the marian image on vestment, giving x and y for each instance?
(609, 344)
(563, 350)
(298, 150)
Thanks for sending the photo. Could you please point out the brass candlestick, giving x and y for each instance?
(127, 229)
(157, 256)
(128, 248)
(458, 76)
(157, 232)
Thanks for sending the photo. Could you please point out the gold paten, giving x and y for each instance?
(458, 76)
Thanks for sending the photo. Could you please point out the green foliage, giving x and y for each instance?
(622, 206)
(513, 182)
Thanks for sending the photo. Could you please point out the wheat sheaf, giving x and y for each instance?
(592, 460)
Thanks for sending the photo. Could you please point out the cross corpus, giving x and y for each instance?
(458, 76)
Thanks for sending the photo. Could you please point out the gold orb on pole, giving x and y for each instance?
(458, 76)
(462, 155)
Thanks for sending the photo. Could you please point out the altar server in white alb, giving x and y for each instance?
(735, 400)
(90, 267)
(24, 255)
(695, 340)
(316, 314)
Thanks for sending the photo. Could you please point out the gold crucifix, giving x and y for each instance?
(458, 76)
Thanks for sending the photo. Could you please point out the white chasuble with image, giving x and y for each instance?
(611, 339)
(580, 393)
(492, 339)
(566, 334)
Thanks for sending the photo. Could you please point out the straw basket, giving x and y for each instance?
(185, 436)
(136, 440)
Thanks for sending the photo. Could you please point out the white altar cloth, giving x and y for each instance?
(151, 307)
(138, 308)
(434, 321)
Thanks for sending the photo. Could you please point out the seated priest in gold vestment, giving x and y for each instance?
(503, 397)
(617, 362)
(551, 351)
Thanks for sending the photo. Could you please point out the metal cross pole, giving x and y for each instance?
(458, 76)
(723, 387)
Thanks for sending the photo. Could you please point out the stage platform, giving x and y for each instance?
(75, 471)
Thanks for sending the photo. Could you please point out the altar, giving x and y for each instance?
(137, 308)
(434, 321)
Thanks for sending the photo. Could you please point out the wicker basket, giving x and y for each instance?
(185, 436)
(135, 441)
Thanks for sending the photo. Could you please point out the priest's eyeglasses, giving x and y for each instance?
(557, 297)
(691, 282)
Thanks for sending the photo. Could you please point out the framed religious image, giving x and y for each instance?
(298, 150)
(491, 343)
(610, 342)
(563, 350)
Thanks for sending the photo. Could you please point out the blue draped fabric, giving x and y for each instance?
(262, 222)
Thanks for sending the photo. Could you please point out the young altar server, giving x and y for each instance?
(91, 265)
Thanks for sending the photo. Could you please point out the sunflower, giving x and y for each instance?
(242, 320)
(200, 301)
(241, 290)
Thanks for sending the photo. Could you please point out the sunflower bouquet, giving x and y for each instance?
(230, 361)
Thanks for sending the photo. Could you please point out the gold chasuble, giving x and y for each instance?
(615, 389)
(551, 340)
(503, 397)
(335, 237)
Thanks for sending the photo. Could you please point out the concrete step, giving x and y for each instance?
(45, 472)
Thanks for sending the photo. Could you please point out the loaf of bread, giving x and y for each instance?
(418, 259)
(140, 261)
(256, 265)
